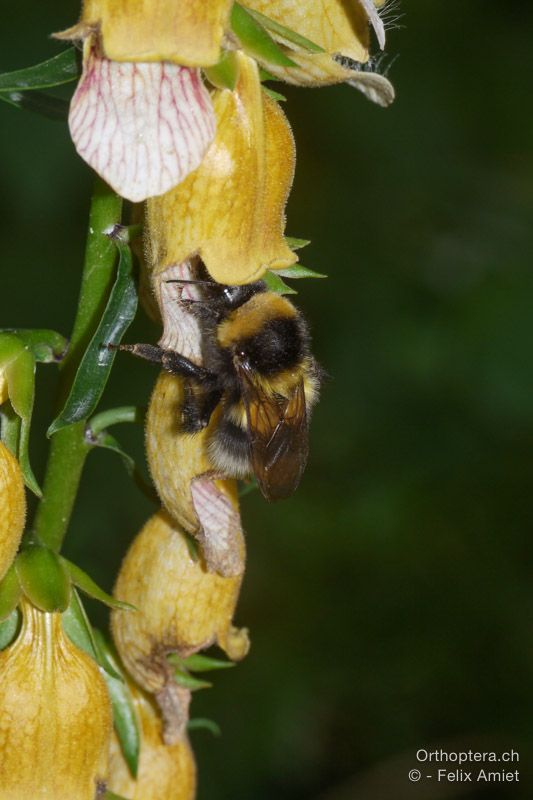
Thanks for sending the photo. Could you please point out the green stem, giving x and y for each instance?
(68, 448)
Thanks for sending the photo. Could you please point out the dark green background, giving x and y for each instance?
(390, 601)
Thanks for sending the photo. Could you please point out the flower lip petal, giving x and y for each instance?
(375, 20)
(143, 127)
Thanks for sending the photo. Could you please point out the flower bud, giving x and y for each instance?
(201, 503)
(12, 507)
(55, 715)
(182, 607)
(164, 771)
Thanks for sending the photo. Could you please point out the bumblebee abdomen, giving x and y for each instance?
(229, 446)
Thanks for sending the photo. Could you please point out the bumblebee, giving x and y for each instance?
(260, 377)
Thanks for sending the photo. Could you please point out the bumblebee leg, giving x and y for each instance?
(197, 408)
(169, 360)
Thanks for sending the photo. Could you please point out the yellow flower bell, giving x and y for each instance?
(164, 771)
(230, 211)
(182, 607)
(12, 508)
(187, 33)
(341, 29)
(55, 715)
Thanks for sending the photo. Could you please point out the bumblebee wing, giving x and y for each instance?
(277, 430)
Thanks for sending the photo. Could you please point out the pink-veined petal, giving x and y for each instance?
(375, 20)
(143, 127)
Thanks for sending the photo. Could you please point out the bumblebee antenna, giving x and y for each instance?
(183, 280)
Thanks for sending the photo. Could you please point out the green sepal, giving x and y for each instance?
(78, 628)
(296, 244)
(84, 582)
(287, 34)
(192, 546)
(43, 578)
(124, 714)
(276, 284)
(187, 681)
(199, 723)
(115, 416)
(112, 796)
(96, 363)
(10, 592)
(55, 71)
(9, 628)
(264, 75)
(255, 40)
(225, 74)
(18, 365)
(55, 108)
(279, 98)
(108, 442)
(200, 663)
(10, 427)
(47, 346)
(298, 271)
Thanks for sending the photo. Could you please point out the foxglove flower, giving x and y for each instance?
(341, 29)
(164, 770)
(55, 715)
(141, 115)
(12, 508)
(182, 608)
(230, 211)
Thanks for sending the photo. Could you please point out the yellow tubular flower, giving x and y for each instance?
(203, 505)
(230, 211)
(341, 29)
(187, 33)
(12, 508)
(165, 771)
(55, 716)
(181, 606)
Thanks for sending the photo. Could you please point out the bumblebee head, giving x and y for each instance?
(266, 334)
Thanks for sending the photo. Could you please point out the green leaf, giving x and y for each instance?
(124, 714)
(189, 681)
(112, 796)
(296, 244)
(60, 69)
(108, 442)
(46, 105)
(286, 33)
(77, 627)
(298, 271)
(276, 284)
(255, 40)
(200, 663)
(43, 578)
(47, 346)
(9, 628)
(225, 74)
(87, 585)
(198, 723)
(10, 592)
(280, 98)
(97, 360)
